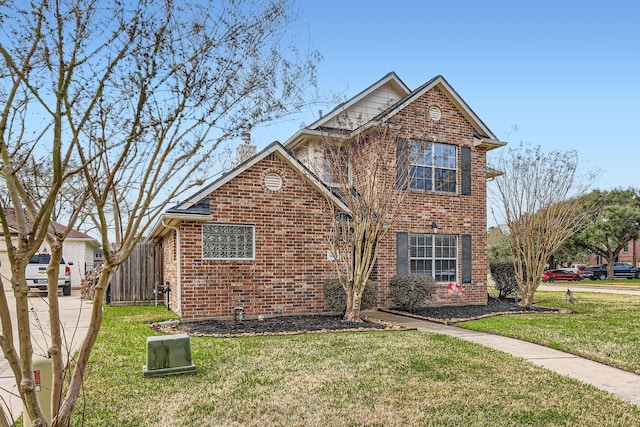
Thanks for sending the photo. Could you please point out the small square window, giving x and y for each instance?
(224, 241)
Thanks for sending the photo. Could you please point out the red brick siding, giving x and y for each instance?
(291, 226)
(453, 213)
(290, 262)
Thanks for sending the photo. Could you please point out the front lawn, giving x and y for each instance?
(615, 284)
(603, 327)
(332, 379)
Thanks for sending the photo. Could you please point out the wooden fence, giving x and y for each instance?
(134, 280)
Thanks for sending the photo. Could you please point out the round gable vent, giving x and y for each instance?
(273, 181)
(434, 113)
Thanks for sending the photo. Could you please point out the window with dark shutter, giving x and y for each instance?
(465, 171)
(434, 255)
(466, 258)
(402, 164)
(402, 257)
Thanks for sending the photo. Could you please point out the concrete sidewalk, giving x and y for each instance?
(621, 383)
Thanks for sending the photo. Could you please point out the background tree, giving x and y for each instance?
(373, 200)
(134, 99)
(498, 244)
(614, 223)
(539, 201)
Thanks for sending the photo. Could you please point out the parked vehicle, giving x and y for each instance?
(560, 274)
(621, 270)
(36, 274)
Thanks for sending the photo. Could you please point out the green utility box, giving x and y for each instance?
(168, 355)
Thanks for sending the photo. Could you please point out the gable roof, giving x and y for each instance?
(390, 79)
(196, 207)
(391, 82)
(483, 136)
(10, 216)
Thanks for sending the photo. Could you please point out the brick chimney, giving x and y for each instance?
(246, 150)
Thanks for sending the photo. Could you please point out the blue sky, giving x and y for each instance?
(567, 74)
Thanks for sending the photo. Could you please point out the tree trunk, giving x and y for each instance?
(353, 313)
(25, 380)
(77, 378)
(55, 349)
(527, 299)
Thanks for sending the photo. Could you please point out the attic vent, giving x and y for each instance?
(273, 181)
(434, 113)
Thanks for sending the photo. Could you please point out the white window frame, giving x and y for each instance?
(244, 227)
(433, 250)
(433, 163)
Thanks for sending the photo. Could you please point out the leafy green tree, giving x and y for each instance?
(615, 220)
(498, 245)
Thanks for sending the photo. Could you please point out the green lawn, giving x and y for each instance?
(333, 379)
(616, 284)
(603, 327)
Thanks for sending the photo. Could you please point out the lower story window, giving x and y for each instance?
(224, 241)
(434, 255)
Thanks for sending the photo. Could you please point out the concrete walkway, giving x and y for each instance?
(621, 383)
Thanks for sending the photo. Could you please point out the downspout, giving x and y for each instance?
(178, 287)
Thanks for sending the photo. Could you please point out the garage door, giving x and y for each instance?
(5, 266)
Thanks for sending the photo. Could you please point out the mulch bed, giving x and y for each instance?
(286, 325)
(495, 307)
(283, 325)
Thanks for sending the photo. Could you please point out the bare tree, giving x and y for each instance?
(133, 100)
(362, 170)
(539, 199)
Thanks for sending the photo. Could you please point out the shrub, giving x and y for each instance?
(411, 291)
(335, 296)
(504, 278)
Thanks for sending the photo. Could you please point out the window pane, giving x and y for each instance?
(420, 178)
(433, 166)
(444, 156)
(435, 255)
(227, 241)
(421, 153)
(445, 180)
(445, 270)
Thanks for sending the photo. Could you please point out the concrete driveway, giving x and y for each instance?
(75, 315)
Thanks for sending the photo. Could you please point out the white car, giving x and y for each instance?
(36, 274)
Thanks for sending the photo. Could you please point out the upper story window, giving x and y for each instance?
(225, 241)
(433, 166)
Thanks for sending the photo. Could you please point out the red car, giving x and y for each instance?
(559, 274)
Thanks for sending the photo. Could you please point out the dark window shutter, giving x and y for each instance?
(465, 168)
(402, 249)
(466, 258)
(402, 164)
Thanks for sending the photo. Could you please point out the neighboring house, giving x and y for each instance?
(630, 253)
(257, 237)
(78, 249)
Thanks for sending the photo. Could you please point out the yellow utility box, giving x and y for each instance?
(43, 375)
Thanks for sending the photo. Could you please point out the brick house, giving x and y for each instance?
(257, 237)
(630, 253)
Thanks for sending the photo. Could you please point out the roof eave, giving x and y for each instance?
(493, 173)
(489, 144)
